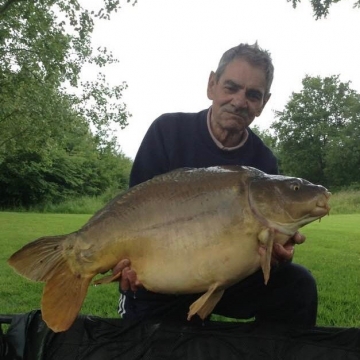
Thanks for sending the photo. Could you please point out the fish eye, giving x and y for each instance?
(295, 186)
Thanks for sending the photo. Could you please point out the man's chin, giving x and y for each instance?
(235, 124)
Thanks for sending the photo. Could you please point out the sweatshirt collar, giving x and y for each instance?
(218, 143)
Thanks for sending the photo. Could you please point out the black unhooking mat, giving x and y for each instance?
(94, 338)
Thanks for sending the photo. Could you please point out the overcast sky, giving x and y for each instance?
(167, 49)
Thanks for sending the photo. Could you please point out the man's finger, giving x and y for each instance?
(283, 252)
(132, 278)
(121, 265)
(124, 280)
(298, 238)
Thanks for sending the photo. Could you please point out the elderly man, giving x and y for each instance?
(239, 90)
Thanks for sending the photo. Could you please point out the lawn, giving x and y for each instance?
(21, 295)
(331, 252)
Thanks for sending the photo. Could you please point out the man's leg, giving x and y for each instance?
(145, 305)
(290, 297)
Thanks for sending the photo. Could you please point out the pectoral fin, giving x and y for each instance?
(266, 238)
(108, 279)
(206, 303)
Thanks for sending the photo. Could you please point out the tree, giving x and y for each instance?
(321, 7)
(47, 151)
(342, 156)
(266, 136)
(43, 46)
(70, 164)
(316, 123)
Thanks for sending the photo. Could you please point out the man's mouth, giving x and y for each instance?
(237, 115)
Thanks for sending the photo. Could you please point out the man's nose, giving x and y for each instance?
(239, 100)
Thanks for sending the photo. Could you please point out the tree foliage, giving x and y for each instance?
(267, 137)
(44, 45)
(47, 150)
(317, 133)
(32, 178)
(321, 7)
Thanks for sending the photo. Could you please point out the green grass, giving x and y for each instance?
(19, 295)
(331, 252)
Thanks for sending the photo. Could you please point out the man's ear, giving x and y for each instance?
(266, 99)
(211, 83)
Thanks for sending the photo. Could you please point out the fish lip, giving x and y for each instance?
(320, 211)
(322, 207)
(327, 194)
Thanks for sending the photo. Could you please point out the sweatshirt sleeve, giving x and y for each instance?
(151, 158)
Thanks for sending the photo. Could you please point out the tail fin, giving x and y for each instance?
(44, 260)
(62, 298)
(40, 259)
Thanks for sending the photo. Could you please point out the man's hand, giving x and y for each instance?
(286, 252)
(128, 280)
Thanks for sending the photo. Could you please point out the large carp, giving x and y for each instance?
(187, 231)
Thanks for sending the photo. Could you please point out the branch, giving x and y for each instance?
(18, 134)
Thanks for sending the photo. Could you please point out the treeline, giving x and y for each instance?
(58, 171)
(316, 136)
(56, 138)
(56, 131)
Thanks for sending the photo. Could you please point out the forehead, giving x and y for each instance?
(243, 73)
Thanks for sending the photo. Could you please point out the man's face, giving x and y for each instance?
(238, 96)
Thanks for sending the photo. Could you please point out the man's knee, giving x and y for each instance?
(294, 276)
(294, 289)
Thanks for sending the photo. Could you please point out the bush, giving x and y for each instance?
(31, 179)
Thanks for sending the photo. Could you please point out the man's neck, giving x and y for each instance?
(224, 139)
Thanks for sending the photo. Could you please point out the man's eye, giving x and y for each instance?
(254, 95)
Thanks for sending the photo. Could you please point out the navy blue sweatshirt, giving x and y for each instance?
(179, 140)
(183, 140)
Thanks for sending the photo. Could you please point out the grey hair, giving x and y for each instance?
(254, 55)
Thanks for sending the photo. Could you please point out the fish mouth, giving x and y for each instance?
(322, 206)
(321, 209)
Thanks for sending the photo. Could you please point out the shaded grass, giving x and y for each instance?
(331, 252)
(77, 205)
(345, 202)
(82, 205)
(342, 202)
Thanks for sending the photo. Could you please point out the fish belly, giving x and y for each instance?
(189, 268)
(183, 242)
